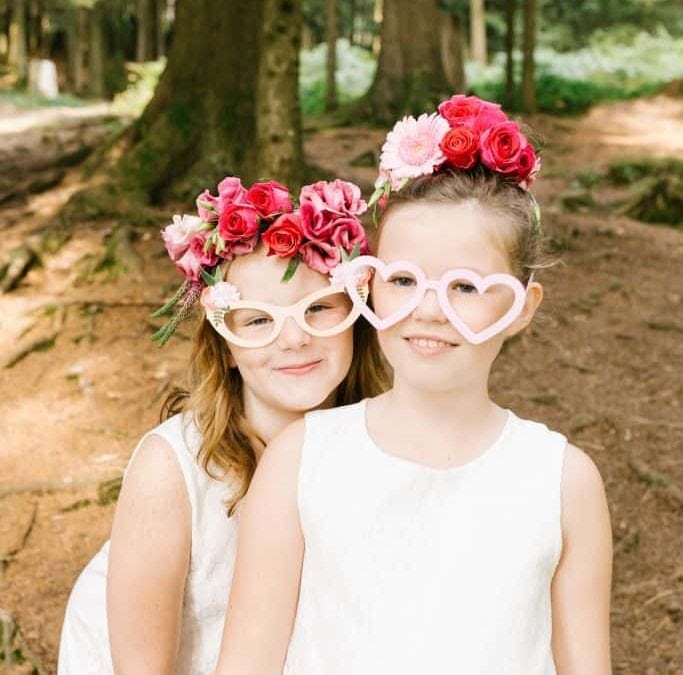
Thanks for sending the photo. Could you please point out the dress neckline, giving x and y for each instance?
(480, 459)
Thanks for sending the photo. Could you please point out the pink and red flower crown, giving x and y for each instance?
(466, 131)
(321, 232)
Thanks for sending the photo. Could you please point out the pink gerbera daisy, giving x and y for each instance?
(412, 147)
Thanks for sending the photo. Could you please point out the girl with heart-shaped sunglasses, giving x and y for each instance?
(429, 530)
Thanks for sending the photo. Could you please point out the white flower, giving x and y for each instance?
(219, 296)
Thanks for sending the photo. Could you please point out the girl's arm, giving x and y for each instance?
(582, 582)
(148, 563)
(265, 588)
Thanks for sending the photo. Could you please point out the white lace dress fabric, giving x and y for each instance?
(84, 646)
(409, 569)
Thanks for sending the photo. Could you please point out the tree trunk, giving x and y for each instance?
(478, 31)
(146, 14)
(352, 22)
(74, 49)
(528, 65)
(452, 54)
(160, 12)
(331, 38)
(96, 85)
(278, 114)
(510, 18)
(410, 75)
(17, 39)
(240, 117)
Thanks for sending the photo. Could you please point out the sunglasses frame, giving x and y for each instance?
(280, 313)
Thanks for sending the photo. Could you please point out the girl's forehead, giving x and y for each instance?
(438, 237)
(258, 276)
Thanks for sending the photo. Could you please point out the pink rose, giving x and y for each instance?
(195, 257)
(231, 191)
(269, 198)
(238, 247)
(320, 256)
(531, 178)
(283, 238)
(178, 234)
(501, 147)
(461, 147)
(322, 203)
(347, 233)
(189, 265)
(338, 196)
(238, 222)
(470, 111)
(459, 109)
(208, 206)
(316, 222)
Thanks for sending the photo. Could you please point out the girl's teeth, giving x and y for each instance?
(423, 342)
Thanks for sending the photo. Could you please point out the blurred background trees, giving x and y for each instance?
(239, 74)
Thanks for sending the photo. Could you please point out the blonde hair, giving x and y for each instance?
(523, 240)
(229, 443)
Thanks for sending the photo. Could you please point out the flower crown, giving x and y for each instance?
(466, 131)
(322, 232)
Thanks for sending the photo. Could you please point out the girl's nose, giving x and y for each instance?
(292, 336)
(429, 309)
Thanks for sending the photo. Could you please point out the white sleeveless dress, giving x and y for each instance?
(84, 646)
(410, 570)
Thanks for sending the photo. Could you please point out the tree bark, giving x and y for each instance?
(146, 39)
(410, 75)
(160, 12)
(331, 25)
(528, 64)
(452, 53)
(478, 31)
(240, 117)
(96, 86)
(352, 22)
(510, 18)
(278, 114)
(17, 39)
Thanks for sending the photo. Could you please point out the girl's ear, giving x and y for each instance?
(534, 297)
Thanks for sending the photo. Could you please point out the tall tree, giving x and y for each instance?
(528, 63)
(410, 73)
(478, 31)
(241, 116)
(331, 23)
(17, 39)
(452, 50)
(510, 20)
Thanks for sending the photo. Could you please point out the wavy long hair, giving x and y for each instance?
(229, 443)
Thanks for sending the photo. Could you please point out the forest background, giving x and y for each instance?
(114, 114)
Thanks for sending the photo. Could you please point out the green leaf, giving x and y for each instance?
(170, 303)
(291, 268)
(347, 257)
(379, 192)
(206, 277)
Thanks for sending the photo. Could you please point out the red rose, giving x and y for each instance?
(501, 147)
(347, 233)
(283, 238)
(238, 222)
(461, 147)
(269, 198)
(527, 163)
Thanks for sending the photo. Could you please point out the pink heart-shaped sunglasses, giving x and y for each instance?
(440, 286)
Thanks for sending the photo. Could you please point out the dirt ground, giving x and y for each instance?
(602, 365)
